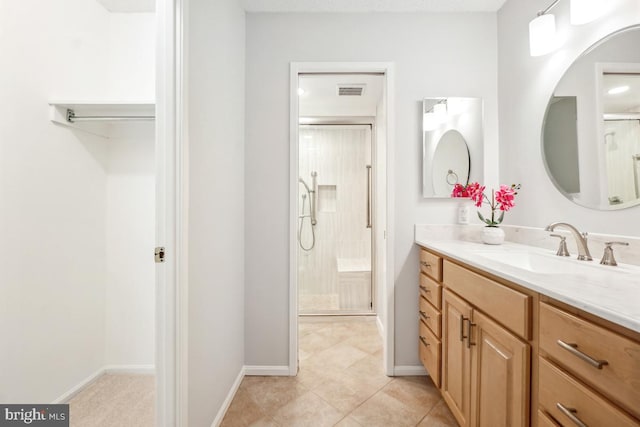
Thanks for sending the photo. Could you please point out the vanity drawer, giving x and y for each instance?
(431, 291)
(431, 265)
(545, 420)
(508, 306)
(430, 350)
(558, 388)
(619, 378)
(430, 316)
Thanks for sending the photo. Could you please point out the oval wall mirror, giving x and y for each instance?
(452, 145)
(450, 163)
(591, 131)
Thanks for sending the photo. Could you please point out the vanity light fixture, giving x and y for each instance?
(542, 32)
(542, 29)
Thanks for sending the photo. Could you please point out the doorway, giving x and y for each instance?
(340, 215)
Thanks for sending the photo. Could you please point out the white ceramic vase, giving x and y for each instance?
(492, 235)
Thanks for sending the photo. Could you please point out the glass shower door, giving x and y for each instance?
(334, 219)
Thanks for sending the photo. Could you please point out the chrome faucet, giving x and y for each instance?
(581, 239)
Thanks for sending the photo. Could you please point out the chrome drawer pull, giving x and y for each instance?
(424, 341)
(573, 349)
(423, 314)
(425, 264)
(425, 289)
(571, 414)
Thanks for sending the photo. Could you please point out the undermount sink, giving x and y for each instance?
(530, 261)
(537, 262)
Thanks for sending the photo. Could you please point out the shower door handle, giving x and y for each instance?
(368, 196)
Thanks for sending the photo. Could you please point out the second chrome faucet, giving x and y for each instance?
(581, 239)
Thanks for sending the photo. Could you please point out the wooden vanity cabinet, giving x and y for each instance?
(486, 368)
(429, 314)
(504, 355)
(588, 372)
(485, 372)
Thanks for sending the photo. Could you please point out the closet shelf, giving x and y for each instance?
(97, 117)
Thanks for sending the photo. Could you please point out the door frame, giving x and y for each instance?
(387, 287)
(171, 215)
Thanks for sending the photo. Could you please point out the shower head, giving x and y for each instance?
(304, 183)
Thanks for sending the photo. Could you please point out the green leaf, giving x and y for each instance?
(500, 218)
(486, 221)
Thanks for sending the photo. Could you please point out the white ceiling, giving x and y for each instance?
(627, 102)
(372, 5)
(130, 6)
(321, 98)
(331, 5)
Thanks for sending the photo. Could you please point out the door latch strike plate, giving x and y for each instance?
(159, 254)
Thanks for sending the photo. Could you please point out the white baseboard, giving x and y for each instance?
(227, 401)
(380, 326)
(274, 371)
(68, 395)
(109, 369)
(130, 369)
(406, 371)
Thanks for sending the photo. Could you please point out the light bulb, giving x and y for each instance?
(542, 35)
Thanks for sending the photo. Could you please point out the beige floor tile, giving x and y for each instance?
(266, 421)
(345, 393)
(440, 416)
(340, 356)
(271, 393)
(418, 394)
(307, 410)
(243, 411)
(314, 342)
(348, 422)
(383, 410)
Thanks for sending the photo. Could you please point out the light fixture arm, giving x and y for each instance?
(551, 6)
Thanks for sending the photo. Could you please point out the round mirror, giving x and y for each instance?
(591, 131)
(450, 163)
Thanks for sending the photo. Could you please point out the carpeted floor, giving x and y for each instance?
(115, 400)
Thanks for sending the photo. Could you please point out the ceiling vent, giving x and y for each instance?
(351, 89)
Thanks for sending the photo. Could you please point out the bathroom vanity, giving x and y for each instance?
(514, 336)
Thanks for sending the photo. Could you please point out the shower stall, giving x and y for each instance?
(334, 219)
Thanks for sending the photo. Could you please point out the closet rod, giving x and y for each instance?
(71, 118)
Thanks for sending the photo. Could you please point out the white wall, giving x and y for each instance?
(216, 67)
(130, 237)
(52, 198)
(525, 86)
(435, 55)
(53, 192)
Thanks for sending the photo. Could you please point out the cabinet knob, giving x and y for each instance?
(425, 264)
(424, 340)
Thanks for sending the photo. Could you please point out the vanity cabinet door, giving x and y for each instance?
(456, 361)
(500, 365)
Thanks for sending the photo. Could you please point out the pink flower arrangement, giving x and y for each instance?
(501, 200)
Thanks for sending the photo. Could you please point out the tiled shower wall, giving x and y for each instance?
(336, 273)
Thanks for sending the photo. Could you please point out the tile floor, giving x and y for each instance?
(340, 383)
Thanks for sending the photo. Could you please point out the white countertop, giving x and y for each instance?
(612, 293)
